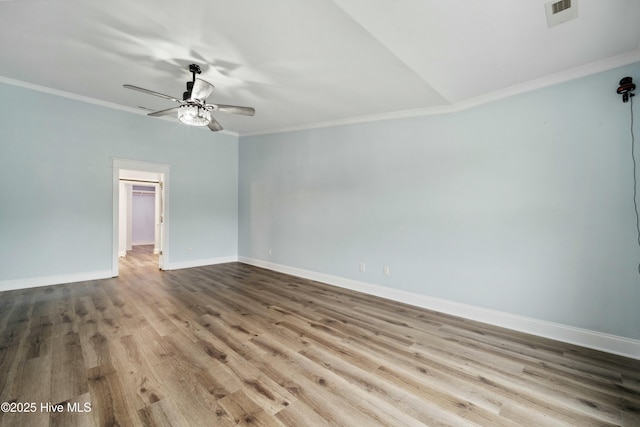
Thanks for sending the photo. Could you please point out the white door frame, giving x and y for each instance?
(136, 165)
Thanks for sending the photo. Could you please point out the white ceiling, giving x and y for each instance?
(304, 63)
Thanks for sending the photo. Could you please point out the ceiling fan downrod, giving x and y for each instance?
(194, 69)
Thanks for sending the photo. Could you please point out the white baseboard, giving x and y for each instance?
(199, 262)
(583, 337)
(35, 282)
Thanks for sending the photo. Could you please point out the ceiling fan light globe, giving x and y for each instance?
(194, 115)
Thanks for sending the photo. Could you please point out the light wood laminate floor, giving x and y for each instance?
(233, 344)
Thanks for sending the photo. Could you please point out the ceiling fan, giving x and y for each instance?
(193, 109)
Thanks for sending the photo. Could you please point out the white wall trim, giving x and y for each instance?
(70, 95)
(163, 170)
(35, 282)
(95, 101)
(583, 337)
(200, 262)
(554, 79)
(563, 76)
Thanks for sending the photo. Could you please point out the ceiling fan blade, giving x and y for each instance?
(150, 92)
(214, 125)
(201, 90)
(233, 109)
(163, 112)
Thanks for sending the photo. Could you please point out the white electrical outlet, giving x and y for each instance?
(363, 267)
(385, 270)
(270, 252)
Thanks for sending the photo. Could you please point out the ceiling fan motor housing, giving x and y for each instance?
(187, 95)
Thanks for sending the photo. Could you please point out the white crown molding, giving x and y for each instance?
(70, 95)
(36, 282)
(583, 337)
(554, 79)
(89, 100)
(572, 74)
(200, 262)
(551, 80)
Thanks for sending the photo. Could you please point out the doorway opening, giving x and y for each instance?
(140, 215)
(140, 212)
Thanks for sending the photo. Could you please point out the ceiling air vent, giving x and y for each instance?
(560, 6)
(561, 11)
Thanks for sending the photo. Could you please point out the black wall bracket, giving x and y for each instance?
(626, 88)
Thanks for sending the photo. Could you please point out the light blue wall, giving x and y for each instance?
(56, 192)
(523, 205)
